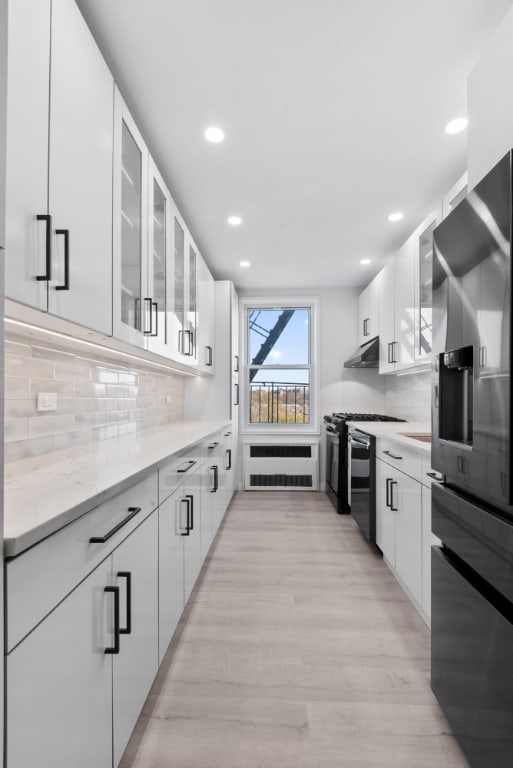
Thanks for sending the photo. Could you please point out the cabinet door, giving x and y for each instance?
(193, 559)
(176, 288)
(155, 303)
(80, 173)
(135, 572)
(172, 526)
(130, 240)
(406, 499)
(385, 517)
(424, 287)
(190, 340)
(28, 104)
(404, 324)
(59, 684)
(205, 329)
(364, 316)
(387, 319)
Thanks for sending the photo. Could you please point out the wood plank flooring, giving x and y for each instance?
(297, 649)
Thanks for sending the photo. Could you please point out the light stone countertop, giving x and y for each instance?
(392, 430)
(44, 493)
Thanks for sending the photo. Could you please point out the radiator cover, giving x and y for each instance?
(281, 466)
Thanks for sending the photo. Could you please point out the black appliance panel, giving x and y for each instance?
(337, 487)
(472, 341)
(477, 536)
(362, 473)
(472, 665)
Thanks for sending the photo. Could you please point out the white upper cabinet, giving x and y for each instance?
(368, 311)
(387, 318)
(403, 352)
(59, 165)
(397, 311)
(205, 329)
(159, 251)
(131, 314)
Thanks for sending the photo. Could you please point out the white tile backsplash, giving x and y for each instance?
(409, 397)
(98, 397)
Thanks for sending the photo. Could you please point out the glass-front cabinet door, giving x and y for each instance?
(175, 293)
(424, 287)
(130, 228)
(191, 304)
(155, 303)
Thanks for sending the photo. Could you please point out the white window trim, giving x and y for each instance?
(281, 302)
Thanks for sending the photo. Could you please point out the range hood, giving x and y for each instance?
(366, 356)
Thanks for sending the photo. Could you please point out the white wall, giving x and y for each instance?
(490, 103)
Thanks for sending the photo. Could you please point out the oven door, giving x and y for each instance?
(359, 475)
(332, 460)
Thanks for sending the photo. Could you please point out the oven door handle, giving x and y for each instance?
(359, 441)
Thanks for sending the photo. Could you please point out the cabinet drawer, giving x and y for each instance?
(38, 579)
(404, 458)
(173, 473)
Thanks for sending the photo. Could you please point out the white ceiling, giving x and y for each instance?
(334, 114)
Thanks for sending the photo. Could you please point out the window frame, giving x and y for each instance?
(248, 303)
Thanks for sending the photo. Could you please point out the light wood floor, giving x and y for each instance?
(299, 650)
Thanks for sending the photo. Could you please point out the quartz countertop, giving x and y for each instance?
(44, 493)
(392, 431)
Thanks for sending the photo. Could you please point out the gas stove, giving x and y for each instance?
(336, 421)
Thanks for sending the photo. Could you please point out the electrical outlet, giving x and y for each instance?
(47, 401)
(169, 399)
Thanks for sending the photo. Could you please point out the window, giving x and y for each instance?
(279, 355)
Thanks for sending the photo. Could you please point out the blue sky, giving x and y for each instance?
(290, 349)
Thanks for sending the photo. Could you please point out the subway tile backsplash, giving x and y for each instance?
(98, 396)
(409, 397)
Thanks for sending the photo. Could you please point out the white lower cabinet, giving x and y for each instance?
(59, 684)
(170, 568)
(403, 529)
(135, 572)
(190, 511)
(98, 612)
(77, 682)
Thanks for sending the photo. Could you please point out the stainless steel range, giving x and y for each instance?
(337, 455)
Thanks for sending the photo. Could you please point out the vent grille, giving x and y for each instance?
(280, 451)
(296, 481)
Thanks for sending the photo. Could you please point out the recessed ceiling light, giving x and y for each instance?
(456, 126)
(214, 134)
(234, 221)
(397, 216)
(245, 264)
(365, 261)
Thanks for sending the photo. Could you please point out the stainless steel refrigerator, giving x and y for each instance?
(472, 510)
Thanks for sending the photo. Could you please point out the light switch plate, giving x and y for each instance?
(47, 401)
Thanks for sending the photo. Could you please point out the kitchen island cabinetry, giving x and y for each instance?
(59, 165)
